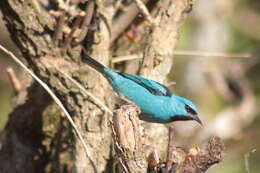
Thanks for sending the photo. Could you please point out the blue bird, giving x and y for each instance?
(155, 101)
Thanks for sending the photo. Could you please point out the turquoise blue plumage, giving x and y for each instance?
(155, 101)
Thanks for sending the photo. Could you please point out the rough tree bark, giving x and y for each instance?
(32, 30)
(36, 140)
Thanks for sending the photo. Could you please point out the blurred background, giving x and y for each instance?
(225, 88)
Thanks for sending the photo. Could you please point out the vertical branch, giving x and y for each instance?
(13, 79)
(59, 28)
(127, 140)
(124, 20)
(162, 38)
(85, 23)
(33, 34)
(170, 148)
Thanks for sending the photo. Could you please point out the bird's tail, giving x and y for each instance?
(93, 63)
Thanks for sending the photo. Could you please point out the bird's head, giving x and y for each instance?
(185, 109)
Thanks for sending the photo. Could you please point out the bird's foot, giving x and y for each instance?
(128, 101)
(130, 104)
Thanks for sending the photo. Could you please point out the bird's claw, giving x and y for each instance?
(131, 103)
(127, 106)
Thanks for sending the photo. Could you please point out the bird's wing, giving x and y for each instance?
(152, 86)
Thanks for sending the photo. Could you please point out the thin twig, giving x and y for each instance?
(89, 94)
(13, 78)
(123, 165)
(55, 98)
(125, 58)
(59, 29)
(124, 20)
(145, 11)
(188, 53)
(86, 21)
(153, 162)
(213, 54)
(169, 160)
(246, 157)
(69, 38)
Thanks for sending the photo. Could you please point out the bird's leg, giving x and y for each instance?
(128, 101)
(169, 161)
(131, 103)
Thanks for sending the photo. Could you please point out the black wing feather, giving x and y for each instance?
(152, 86)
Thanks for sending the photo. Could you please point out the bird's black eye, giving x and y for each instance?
(190, 110)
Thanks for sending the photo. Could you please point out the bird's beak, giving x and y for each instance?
(196, 118)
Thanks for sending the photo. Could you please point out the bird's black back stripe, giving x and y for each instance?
(168, 93)
(150, 89)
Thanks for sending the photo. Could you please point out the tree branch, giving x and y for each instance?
(32, 31)
(127, 140)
